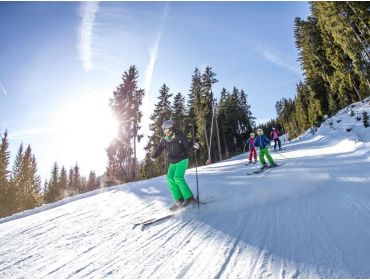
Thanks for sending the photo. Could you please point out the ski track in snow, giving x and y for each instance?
(309, 218)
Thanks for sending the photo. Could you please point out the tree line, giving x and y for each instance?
(334, 54)
(220, 126)
(21, 187)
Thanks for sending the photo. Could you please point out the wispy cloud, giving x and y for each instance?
(3, 89)
(154, 51)
(278, 59)
(274, 57)
(28, 133)
(148, 74)
(88, 12)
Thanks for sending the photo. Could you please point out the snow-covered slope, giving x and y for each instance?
(309, 218)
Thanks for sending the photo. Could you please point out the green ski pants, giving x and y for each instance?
(265, 152)
(176, 181)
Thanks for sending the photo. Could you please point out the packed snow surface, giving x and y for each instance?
(309, 218)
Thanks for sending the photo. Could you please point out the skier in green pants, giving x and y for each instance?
(262, 141)
(177, 146)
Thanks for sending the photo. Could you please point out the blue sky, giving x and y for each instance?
(61, 61)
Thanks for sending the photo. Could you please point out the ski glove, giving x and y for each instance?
(196, 146)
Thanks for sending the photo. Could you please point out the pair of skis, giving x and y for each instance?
(156, 219)
(278, 150)
(265, 169)
(153, 220)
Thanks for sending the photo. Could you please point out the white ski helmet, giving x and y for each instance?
(167, 124)
(259, 131)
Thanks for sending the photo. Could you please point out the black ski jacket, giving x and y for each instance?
(177, 148)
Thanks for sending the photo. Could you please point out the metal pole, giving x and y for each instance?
(208, 148)
(218, 135)
(196, 164)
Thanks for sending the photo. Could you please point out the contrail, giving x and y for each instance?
(154, 51)
(3, 89)
(277, 59)
(268, 55)
(150, 68)
(87, 13)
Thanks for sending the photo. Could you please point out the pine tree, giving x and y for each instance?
(63, 182)
(286, 111)
(4, 174)
(45, 188)
(314, 63)
(71, 189)
(346, 36)
(125, 104)
(115, 170)
(301, 108)
(83, 184)
(223, 121)
(204, 112)
(179, 111)
(30, 184)
(53, 192)
(36, 183)
(230, 120)
(238, 116)
(193, 96)
(25, 183)
(333, 47)
(247, 119)
(92, 182)
(15, 182)
(163, 111)
(77, 183)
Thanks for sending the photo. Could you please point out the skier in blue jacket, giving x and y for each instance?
(262, 142)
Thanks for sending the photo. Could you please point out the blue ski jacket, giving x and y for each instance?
(262, 141)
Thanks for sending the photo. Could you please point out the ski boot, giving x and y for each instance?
(189, 202)
(264, 166)
(177, 204)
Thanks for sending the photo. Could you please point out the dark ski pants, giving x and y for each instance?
(279, 143)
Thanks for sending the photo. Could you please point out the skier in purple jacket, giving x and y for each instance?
(275, 136)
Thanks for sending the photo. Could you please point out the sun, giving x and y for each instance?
(86, 128)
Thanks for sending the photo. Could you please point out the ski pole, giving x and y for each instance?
(196, 163)
(283, 156)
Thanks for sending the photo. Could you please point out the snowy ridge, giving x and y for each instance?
(309, 218)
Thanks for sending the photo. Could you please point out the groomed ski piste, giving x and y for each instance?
(309, 218)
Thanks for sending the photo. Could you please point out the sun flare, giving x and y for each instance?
(85, 129)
